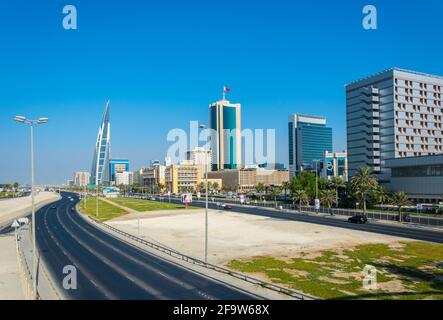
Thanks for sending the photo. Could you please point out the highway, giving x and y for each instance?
(108, 268)
(410, 232)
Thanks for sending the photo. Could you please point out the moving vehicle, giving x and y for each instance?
(358, 219)
(226, 206)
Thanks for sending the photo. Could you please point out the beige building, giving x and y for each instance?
(183, 177)
(151, 177)
(247, 179)
(81, 178)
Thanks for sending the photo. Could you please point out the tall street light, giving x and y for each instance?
(31, 124)
(206, 197)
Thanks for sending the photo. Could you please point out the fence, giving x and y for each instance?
(25, 273)
(176, 254)
(382, 216)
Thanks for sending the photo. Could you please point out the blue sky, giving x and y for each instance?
(162, 62)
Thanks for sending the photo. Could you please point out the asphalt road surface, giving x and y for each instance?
(410, 232)
(108, 268)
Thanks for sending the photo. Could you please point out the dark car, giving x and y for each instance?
(358, 219)
(226, 207)
(54, 207)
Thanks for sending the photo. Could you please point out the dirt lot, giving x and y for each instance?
(236, 236)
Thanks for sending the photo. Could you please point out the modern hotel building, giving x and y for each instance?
(393, 114)
(225, 124)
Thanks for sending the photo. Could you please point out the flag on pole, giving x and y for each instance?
(226, 89)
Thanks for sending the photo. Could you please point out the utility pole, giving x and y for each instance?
(34, 246)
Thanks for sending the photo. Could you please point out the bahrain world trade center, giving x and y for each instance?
(100, 162)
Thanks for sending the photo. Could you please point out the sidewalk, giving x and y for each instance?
(10, 288)
(45, 287)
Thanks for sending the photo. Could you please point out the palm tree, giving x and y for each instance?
(381, 195)
(275, 191)
(363, 185)
(260, 187)
(337, 183)
(215, 186)
(400, 200)
(300, 196)
(328, 197)
(286, 185)
(160, 186)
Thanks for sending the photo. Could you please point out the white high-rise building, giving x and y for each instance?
(393, 114)
(82, 178)
(200, 156)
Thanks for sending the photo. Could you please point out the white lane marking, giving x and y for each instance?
(147, 266)
(99, 287)
(135, 280)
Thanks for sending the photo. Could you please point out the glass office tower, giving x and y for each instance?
(100, 162)
(225, 122)
(117, 166)
(309, 138)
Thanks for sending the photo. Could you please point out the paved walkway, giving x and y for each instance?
(10, 287)
(129, 210)
(45, 286)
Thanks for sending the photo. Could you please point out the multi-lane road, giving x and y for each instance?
(410, 232)
(108, 268)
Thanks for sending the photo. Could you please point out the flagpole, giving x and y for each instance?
(224, 94)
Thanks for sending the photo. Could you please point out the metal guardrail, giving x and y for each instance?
(238, 275)
(25, 272)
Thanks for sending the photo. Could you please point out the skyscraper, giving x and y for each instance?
(393, 114)
(309, 138)
(225, 122)
(100, 162)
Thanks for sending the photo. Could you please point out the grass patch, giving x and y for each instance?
(408, 271)
(106, 211)
(142, 205)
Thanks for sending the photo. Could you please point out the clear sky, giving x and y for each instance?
(162, 62)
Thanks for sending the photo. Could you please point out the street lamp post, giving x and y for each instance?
(96, 202)
(31, 124)
(206, 197)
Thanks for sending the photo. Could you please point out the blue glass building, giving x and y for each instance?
(309, 138)
(117, 166)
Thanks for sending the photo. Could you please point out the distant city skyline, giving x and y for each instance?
(161, 65)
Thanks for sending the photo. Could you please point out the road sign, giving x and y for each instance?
(187, 198)
(317, 204)
(23, 220)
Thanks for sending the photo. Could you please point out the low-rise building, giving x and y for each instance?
(421, 178)
(247, 179)
(183, 177)
(152, 177)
